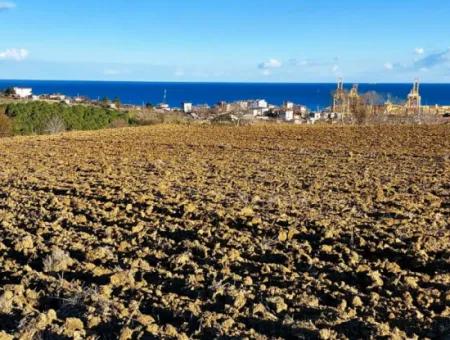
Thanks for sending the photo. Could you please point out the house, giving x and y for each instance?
(187, 107)
(164, 107)
(79, 99)
(288, 115)
(289, 105)
(303, 110)
(259, 107)
(314, 116)
(57, 96)
(242, 104)
(259, 103)
(23, 92)
(288, 112)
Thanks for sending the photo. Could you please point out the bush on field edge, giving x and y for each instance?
(6, 126)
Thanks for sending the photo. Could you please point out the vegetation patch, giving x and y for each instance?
(41, 117)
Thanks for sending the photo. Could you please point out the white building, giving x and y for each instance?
(79, 99)
(259, 107)
(288, 115)
(187, 107)
(23, 92)
(164, 107)
(288, 112)
(57, 96)
(259, 104)
(314, 116)
(289, 105)
(242, 104)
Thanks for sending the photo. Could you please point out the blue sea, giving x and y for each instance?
(312, 95)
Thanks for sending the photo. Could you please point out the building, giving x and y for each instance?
(314, 116)
(289, 105)
(242, 104)
(259, 107)
(187, 107)
(23, 92)
(288, 114)
(302, 110)
(259, 103)
(80, 99)
(164, 107)
(57, 96)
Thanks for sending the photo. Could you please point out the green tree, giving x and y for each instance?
(9, 92)
(34, 117)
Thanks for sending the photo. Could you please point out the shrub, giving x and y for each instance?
(155, 117)
(55, 125)
(118, 123)
(57, 261)
(5, 126)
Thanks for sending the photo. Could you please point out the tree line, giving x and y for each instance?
(41, 117)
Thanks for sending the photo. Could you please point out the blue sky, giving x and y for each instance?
(226, 40)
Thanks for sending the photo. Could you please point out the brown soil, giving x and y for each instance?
(201, 232)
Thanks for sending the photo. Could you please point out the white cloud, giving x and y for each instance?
(270, 64)
(438, 58)
(16, 54)
(266, 72)
(111, 72)
(302, 62)
(179, 73)
(4, 6)
(419, 50)
(389, 66)
(309, 63)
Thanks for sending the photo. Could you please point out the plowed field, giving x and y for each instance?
(202, 232)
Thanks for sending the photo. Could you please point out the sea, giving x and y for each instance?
(314, 96)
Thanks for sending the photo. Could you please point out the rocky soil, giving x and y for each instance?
(261, 232)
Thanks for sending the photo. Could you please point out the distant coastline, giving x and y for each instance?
(312, 95)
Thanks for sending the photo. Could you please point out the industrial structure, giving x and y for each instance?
(340, 99)
(414, 102)
(348, 103)
(354, 99)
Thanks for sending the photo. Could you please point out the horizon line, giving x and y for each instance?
(222, 82)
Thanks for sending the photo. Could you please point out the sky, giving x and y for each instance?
(226, 40)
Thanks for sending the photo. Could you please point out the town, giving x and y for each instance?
(347, 106)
